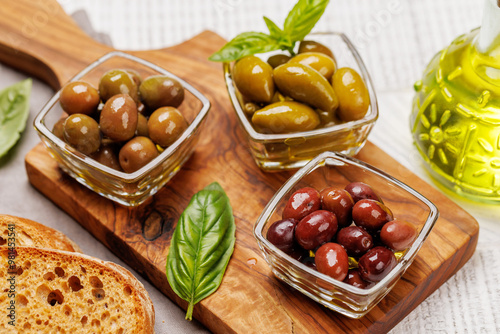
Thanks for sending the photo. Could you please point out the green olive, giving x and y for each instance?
(278, 97)
(304, 84)
(165, 125)
(312, 46)
(79, 97)
(119, 118)
(137, 153)
(328, 118)
(278, 60)
(354, 99)
(250, 107)
(319, 61)
(142, 126)
(107, 155)
(161, 91)
(118, 82)
(82, 132)
(285, 117)
(254, 79)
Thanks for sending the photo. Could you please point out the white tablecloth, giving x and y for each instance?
(396, 39)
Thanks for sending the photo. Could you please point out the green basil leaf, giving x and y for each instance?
(274, 30)
(14, 111)
(201, 246)
(303, 17)
(247, 43)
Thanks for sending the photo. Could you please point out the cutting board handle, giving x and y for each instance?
(39, 38)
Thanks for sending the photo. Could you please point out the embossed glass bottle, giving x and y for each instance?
(455, 120)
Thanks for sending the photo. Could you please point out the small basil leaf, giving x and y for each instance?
(303, 17)
(201, 246)
(247, 43)
(274, 30)
(14, 111)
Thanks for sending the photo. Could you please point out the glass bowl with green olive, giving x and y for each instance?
(123, 127)
(293, 108)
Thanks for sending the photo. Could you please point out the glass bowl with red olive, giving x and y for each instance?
(123, 126)
(293, 108)
(343, 232)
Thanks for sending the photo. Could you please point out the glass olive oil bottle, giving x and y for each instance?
(455, 120)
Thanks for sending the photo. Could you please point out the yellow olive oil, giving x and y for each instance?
(455, 120)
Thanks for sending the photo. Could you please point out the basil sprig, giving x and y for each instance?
(14, 111)
(201, 246)
(299, 22)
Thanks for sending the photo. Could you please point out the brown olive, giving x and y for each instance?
(302, 202)
(312, 46)
(331, 259)
(137, 153)
(340, 203)
(82, 132)
(355, 240)
(165, 125)
(58, 129)
(360, 190)
(281, 233)
(119, 118)
(107, 155)
(305, 84)
(161, 91)
(118, 81)
(353, 96)
(315, 229)
(354, 278)
(142, 126)
(79, 97)
(285, 117)
(319, 61)
(398, 234)
(371, 215)
(254, 79)
(278, 60)
(376, 264)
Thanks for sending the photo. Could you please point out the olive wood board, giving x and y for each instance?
(40, 39)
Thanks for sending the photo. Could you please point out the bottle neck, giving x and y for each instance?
(489, 37)
(485, 51)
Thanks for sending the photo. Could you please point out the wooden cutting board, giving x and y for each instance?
(40, 39)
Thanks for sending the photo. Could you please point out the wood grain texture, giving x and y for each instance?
(250, 299)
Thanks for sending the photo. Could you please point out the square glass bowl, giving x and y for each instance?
(129, 189)
(294, 150)
(331, 169)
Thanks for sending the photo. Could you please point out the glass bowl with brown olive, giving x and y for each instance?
(123, 127)
(293, 108)
(343, 232)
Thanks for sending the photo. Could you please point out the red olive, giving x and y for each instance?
(398, 234)
(376, 264)
(354, 278)
(301, 203)
(280, 234)
(355, 240)
(360, 190)
(331, 259)
(339, 202)
(371, 215)
(316, 229)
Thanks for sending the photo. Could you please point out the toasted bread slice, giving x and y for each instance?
(63, 292)
(25, 232)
